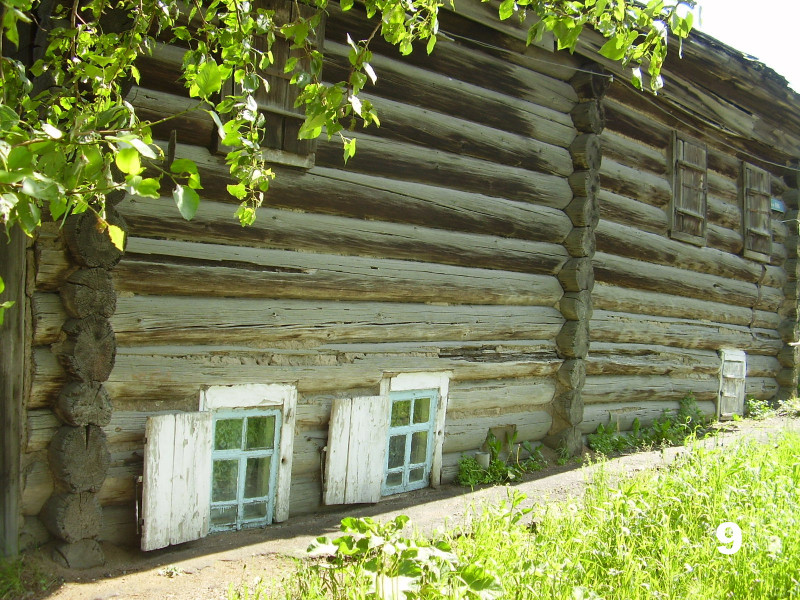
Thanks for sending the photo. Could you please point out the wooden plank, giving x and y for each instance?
(13, 344)
(157, 492)
(338, 451)
(286, 458)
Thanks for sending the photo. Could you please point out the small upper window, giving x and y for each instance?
(689, 190)
(756, 213)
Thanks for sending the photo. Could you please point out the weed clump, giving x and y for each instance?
(471, 473)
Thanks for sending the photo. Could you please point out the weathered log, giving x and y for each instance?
(632, 389)
(175, 374)
(89, 292)
(591, 81)
(724, 239)
(387, 158)
(583, 211)
(470, 434)
(762, 366)
(567, 410)
(72, 517)
(646, 359)
(80, 404)
(620, 415)
(581, 242)
(789, 356)
(573, 339)
(89, 349)
(585, 184)
(576, 306)
(761, 388)
(572, 374)
(681, 333)
(626, 272)
(626, 241)
(589, 117)
(723, 213)
(88, 240)
(586, 152)
(83, 554)
(629, 151)
(627, 211)
(577, 275)
(632, 182)
(493, 398)
(79, 458)
(568, 440)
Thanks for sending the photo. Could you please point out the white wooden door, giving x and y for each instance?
(356, 450)
(177, 479)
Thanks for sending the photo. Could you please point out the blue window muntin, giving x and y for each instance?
(408, 431)
(241, 455)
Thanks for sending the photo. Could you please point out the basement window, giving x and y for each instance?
(689, 169)
(756, 202)
(387, 444)
(227, 466)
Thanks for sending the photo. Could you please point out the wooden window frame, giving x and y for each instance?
(679, 166)
(241, 456)
(407, 431)
(751, 193)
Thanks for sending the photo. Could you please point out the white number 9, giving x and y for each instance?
(729, 533)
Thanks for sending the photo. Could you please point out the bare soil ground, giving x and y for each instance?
(204, 569)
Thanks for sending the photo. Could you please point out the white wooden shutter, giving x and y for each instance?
(356, 450)
(177, 479)
(732, 382)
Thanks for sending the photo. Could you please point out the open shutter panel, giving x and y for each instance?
(177, 479)
(756, 212)
(356, 450)
(732, 383)
(689, 203)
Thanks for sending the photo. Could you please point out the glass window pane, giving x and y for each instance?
(260, 433)
(228, 434)
(397, 451)
(222, 516)
(256, 478)
(394, 479)
(415, 475)
(401, 413)
(255, 510)
(419, 447)
(422, 410)
(224, 480)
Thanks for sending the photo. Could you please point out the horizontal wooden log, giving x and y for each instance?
(170, 377)
(629, 181)
(622, 240)
(380, 157)
(626, 359)
(724, 239)
(174, 109)
(291, 230)
(626, 272)
(298, 323)
(763, 366)
(620, 415)
(681, 333)
(409, 84)
(628, 151)
(775, 277)
(495, 398)
(180, 268)
(119, 525)
(763, 319)
(761, 388)
(603, 389)
(474, 67)
(723, 188)
(627, 300)
(723, 213)
(627, 211)
(125, 429)
(470, 434)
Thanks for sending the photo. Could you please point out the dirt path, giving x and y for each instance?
(205, 568)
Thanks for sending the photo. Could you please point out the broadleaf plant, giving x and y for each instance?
(68, 137)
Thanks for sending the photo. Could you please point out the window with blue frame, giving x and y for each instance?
(244, 468)
(410, 440)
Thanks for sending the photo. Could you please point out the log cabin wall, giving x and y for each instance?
(663, 308)
(437, 248)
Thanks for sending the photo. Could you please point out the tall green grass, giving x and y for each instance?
(642, 537)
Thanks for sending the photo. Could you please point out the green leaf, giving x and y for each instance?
(148, 188)
(615, 47)
(506, 9)
(208, 80)
(127, 160)
(238, 191)
(183, 165)
(349, 148)
(117, 236)
(346, 4)
(187, 200)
